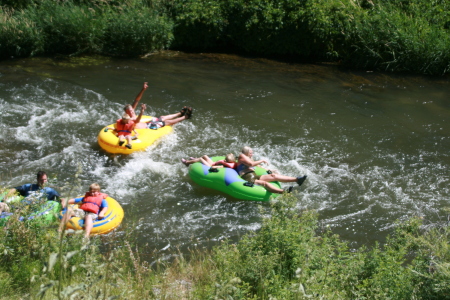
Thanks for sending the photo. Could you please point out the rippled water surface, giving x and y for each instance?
(375, 147)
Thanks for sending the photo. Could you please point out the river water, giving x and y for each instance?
(375, 146)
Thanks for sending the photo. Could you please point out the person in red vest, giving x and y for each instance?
(125, 127)
(92, 206)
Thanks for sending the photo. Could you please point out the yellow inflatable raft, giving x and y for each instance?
(113, 218)
(109, 142)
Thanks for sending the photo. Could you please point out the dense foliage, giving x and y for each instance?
(408, 36)
(290, 257)
(49, 27)
(411, 36)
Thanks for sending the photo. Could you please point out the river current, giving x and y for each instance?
(375, 146)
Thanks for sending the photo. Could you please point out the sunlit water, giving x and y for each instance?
(375, 147)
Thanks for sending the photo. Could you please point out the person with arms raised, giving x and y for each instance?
(155, 123)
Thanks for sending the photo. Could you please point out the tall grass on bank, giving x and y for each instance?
(19, 35)
(397, 36)
(413, 38)
(134, 30)
(50, 27)
(68, 28)
(292, 256)
(402, 36)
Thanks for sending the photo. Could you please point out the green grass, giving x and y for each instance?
(396, 36)
(19, 36)
(134, 31)
(50, 27)
(290, 257)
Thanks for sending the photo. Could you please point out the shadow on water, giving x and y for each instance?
(374, 146)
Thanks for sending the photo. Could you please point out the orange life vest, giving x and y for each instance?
(124, 129)
(92, 203)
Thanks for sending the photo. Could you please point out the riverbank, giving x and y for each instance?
(410, 36)
(291, 257)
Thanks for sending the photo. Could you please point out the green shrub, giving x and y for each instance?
(6, 286)
(286, 258)
(384, 276)
(133, 31)
(68, 28)
(397, 39)
(16, 4)
(200, 24)
(285, 27)
(22, 251)
(277, 27)
(431, 262)
(290, 257)
(395, 36)
(19, 36)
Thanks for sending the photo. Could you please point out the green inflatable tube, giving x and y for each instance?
(228, 181)
(46, 213)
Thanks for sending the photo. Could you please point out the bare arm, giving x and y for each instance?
(217, 167)
(143, 107)
(139, 96)
(244, 159)
(64, 202)
(218, 164)
(102, 213)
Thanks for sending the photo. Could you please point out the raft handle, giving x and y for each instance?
(213, 170)
(249, 184)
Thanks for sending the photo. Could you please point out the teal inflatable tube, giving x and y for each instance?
(228, 181)
(45, 214)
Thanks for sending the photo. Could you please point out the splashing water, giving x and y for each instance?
(374, 147)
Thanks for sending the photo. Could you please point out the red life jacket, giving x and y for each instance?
(92, 203)
(124, 129)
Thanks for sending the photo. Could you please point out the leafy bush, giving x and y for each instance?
(16, 4)
(133, 31)
(260, 27)
(6, 284)
(430, 266)
(387, 35)
(285, 27)
(394, 39)
(200, 24)
(397, 36)
(84, 27)
(68, 28)
(291, 257)
(287, 259)
(21, 250)
(19, 36)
